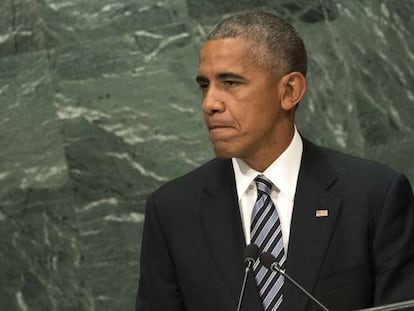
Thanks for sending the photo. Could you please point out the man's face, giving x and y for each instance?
(241, 100)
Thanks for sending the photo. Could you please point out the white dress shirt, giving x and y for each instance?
(283, 173)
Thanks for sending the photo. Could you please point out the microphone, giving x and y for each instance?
(270, 262)
(250, 255)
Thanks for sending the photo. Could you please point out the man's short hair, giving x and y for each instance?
(275, 43)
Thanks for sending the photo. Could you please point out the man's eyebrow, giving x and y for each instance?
(229, 75)
(221, 76)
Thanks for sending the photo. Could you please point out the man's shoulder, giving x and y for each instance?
(348, 164)
(197, 177)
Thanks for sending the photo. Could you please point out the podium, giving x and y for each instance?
(404, 305)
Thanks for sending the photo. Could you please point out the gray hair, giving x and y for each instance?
(275, 42)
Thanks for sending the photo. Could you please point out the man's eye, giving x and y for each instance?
(231, 83)
(203, 85)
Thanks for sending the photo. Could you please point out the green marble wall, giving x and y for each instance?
(98, 107)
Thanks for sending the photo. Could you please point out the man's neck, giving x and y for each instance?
(265, 157)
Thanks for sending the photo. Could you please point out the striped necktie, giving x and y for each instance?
(266, 233)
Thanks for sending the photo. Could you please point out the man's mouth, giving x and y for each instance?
(215, 126)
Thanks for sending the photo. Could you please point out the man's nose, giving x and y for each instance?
(212, 102)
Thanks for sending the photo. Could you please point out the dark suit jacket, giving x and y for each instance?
(361, 254)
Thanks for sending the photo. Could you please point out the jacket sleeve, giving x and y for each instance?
(393, 248)
(158, 285)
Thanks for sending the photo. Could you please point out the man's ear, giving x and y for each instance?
(293, 87)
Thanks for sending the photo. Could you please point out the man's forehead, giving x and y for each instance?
(227, 52)
(226, 46)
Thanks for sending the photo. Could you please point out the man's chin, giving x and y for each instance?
(223, 153)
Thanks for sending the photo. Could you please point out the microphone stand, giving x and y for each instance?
(276, 267)
(246, 273)
(269, 261)
(251, 253)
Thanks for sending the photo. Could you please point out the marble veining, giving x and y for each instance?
(99, 107)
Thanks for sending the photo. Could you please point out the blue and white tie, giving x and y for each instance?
(266, 233)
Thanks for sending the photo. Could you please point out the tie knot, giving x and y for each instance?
(263, 184)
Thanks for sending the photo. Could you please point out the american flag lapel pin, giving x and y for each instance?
(321, 213)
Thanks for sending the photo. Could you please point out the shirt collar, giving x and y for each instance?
(283, 172)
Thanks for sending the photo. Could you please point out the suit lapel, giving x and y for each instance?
(221, 224)
(310, 233)
(223, 231)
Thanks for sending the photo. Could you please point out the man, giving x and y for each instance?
(342, 227)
